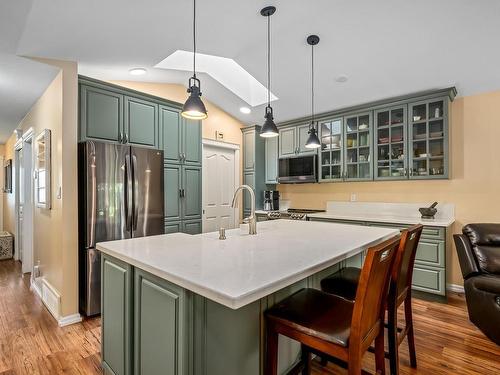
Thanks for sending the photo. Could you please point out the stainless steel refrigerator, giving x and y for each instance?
(120, 196)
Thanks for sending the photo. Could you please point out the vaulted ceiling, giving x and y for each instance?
(386, 47)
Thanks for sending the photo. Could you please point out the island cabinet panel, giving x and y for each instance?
(101, 114)
(141, 122)
(161, 339)
(429, 273)
(117, 305)
(170, 126)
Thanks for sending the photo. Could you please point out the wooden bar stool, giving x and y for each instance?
(344, 283)
(334, 326)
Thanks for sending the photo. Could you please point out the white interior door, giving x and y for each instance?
(27, 204)
(219, 184)
(19, 193)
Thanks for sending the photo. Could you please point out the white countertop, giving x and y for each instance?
(244, 268)
(397, 213)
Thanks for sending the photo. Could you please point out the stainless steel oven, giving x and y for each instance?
(296, 170)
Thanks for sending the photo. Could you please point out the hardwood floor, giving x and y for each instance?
(32, 343)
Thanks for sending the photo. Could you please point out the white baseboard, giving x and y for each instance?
(68, 320)
(52, 300)
(455, 288)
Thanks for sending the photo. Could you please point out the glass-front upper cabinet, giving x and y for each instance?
(358, 147)
(331, 161)
(391, 143)
(428, 130)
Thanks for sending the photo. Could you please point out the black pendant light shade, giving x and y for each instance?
(269, 128)
(194, 108)
(312, 140)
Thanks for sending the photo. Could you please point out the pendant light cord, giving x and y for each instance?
(312, 86)
(268, 61)
(194, 38)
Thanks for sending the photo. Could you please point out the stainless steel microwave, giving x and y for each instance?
(297, 170)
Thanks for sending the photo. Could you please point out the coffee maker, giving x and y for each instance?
(271, 200)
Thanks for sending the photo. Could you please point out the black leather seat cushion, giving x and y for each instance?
(316, 313)
(343, 283)
(485, 241)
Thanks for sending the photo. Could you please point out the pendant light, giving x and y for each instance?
(269, 128)
(194, 108)
(312, 140)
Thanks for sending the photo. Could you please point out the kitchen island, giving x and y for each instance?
(182, 304)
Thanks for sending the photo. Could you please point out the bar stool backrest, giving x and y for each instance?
(405, 260)
(369, 306)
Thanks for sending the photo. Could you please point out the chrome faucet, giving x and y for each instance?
(251, 220)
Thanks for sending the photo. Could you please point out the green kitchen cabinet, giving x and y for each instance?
(191, 192)
(358, 148)
(271, 151)
(182, 198)
(173, 176)
(141, 123)
(254, 163)
(101, 114)
(173, 227)
(191, 226)
(287, 142)
(181, 138)
(116, 324)
(292, 141)
(249, 149)
(170, 126)
(161, 331)
(428, 139)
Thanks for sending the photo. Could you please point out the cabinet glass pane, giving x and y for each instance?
(428, 139)
(391, 143)
(331, 149)
(358, 140)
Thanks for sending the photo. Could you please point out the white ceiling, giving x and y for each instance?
(22, 80)
(385, 47)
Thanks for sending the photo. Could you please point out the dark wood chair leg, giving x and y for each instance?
(380, 353)
(271, 351)
(306, 360)
(354, 364)
(392, 332)
(411, 335)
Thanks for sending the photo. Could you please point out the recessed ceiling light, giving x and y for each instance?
(137, 71)
(245, 110)
(342, 78)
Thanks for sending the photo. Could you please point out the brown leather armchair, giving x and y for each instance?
(479, 256)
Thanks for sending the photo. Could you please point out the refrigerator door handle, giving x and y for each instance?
(128, 193)
(93, 200)
(136, 191)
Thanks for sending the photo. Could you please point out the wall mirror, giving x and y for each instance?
(42, 170)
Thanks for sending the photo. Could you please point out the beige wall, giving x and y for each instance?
(217, 120)
(55, 231)
(473, 186)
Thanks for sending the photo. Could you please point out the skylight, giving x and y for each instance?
(224, 70)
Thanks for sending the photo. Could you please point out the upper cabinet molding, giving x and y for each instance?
(451, 92)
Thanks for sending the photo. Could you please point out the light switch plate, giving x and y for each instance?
(354, 198)
(219, 135)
